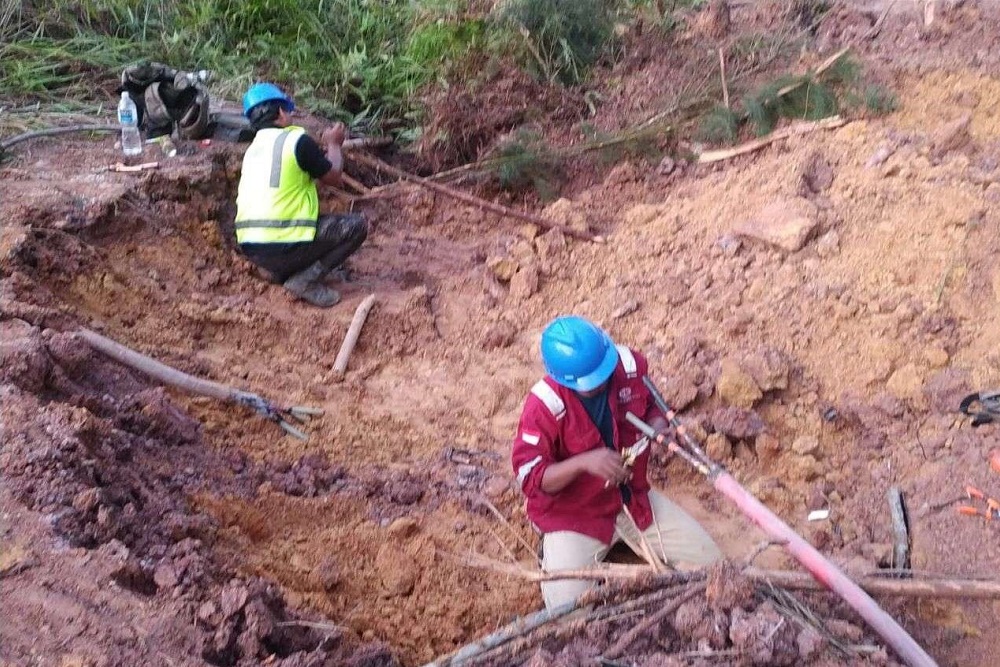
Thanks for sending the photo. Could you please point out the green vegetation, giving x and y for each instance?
(561, 38)
(809, 96)
(370, 56)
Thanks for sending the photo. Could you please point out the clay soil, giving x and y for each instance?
(145, 526)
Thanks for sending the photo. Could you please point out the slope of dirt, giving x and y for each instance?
(861, 342)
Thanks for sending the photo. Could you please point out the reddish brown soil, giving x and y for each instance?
(144, 526)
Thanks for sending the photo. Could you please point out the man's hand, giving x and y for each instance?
(334, 135)
(605, 464)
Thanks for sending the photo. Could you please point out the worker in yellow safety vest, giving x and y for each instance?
(278, 225)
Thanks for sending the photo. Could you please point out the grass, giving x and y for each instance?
(347, 58)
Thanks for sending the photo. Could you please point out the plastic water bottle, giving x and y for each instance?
(128, 118)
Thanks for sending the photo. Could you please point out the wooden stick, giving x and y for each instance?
(825, 65)
(519, 627)
(355, 184)
(930, 586)
(375, 163)
(722, 70)
(901, 536)
(914, 588)
(784, 133)
(652, 621)
(351, 339)
(53, 131)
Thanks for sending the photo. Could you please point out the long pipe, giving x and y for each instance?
(822, 569)
(825, 572)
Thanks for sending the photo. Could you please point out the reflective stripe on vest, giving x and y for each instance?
(628, 360)
(550, 398)
(277, 200)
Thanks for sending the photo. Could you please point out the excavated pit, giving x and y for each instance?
(141, 522)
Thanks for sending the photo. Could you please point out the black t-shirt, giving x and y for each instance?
(311, 157)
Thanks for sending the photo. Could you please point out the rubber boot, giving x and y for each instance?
(307, 285)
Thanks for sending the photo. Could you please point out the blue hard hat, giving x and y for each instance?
(577, 353)
(259, 93)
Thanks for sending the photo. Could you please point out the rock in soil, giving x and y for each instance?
(764, 636)
(735, 386)
(785, 224)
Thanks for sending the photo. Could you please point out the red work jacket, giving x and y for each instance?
(555, 426)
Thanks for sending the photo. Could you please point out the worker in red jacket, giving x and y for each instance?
(568, 457)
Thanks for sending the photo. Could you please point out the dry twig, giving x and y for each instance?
(795, 129)
(375, 163)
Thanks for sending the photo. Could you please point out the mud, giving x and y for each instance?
(174, 525)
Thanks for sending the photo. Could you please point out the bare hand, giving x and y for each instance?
(605, 464)
(334, 135)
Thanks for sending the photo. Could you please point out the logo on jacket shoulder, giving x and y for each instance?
(625, 394)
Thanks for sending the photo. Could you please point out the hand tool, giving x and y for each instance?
(992, 510)
(822, 569)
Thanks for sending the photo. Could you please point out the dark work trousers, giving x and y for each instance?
(338, 236)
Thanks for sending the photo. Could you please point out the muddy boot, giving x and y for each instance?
(307, 285)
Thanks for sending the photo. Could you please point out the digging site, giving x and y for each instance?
(815, 305)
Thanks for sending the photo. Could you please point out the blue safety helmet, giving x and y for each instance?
(259, 93)
(577, 353)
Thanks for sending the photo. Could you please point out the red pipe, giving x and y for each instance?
(825, 572)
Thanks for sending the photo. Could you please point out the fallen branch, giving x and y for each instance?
(355, 184)
(913, 588)
(519, 627)
(652, 621)
(351, 339)
(900, 534)
(193, 385)
(722, 72)
(825, 65)
(874, 583)
(795, 129)
(375, 163)
(53, 131)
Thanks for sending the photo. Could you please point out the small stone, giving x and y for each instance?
(550, 244)
(503, 268)
(828, 245)
(495, 487)
(784, 223)
(905, 382)
(524, 284)
(679, 391)
(806, 445)
(497, 336)
(666, 166)
(735, 386)
(729, 244)
(878, 158)
(769, 369)
(403, 527)
(951, 136)
(805, 468)
(165, 576)
(626, 308)
(86, 500)
(817, 175)
(936, 356)
(718, 447)
(234, 598)
(737, 423)
(328, 574)
(206, 612)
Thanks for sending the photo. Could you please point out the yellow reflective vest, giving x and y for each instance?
(277, 200)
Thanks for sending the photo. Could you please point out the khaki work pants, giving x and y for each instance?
(674, 534)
